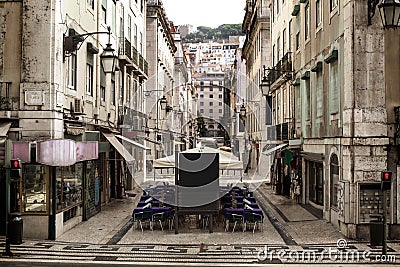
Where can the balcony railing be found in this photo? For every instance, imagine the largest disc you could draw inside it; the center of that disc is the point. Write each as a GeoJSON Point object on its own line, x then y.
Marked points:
{"type": "Point", "coordinates": [146, 68]}
{"type": "Point", "coordinates": [283, 67]}
{"type": "Point", "coordinates": [281, 132]}
{"type": "Point", "coordinates": [125, 47]}
{"type": "Point", "coordinates": [141, 62]}
{"type": "Point", "coordinates": [135, 55]}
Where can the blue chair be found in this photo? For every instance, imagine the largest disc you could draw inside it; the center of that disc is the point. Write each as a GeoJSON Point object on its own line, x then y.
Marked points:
{"type": "Point", "coordinates": [232, 218]}
{"type": "Point", "coordinates": [160, 217]}
{"type": "Point", "coordinates": [142, 216]}
{"type": "Point", "coordinates": [252, 218]}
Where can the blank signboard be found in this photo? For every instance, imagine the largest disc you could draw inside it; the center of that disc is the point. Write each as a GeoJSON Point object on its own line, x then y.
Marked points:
{"type": "Point", "coordinates": [198, 182]}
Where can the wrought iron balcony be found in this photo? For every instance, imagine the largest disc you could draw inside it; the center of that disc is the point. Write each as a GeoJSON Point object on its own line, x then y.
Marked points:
{"type": "Point", "coordinates": [135, 55]}
{"type": "Point", "coordinates": [125, 48]}
{"type": "Point", "coordinates": [282, 68]}
{"type": "Point", "coordinates": [281, 132]}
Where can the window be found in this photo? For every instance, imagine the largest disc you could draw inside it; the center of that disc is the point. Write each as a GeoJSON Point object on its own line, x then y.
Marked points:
{"type": "Point", "coordinates": [104, 11]}
{"type": "Point", "coordinates": [278, 46]}
{"type": "Point", "coordinates": [141, 44]}
{"type": "Point", "coordinates": [69, 186]}
{"type": "Point", "coordinates": [220, 104]}
{"type": "Point", "coordinates": [34, 188]}
{"type": "Point", "coordinates": [277, 7]}
{"type": "Point", "coordinates": [220, 83]}
{"type": "Point", "coordinates": [201, 104]}
{"type": "Point", "coordinates": [90, 3]}
{"type": "Point", "coordinates": [306, 21]}
{"type": "Point", "coordinates": [318, 13]}
{"type": "Point", "coordinates": [102, 93]}
{"type": "Point", "coordinates": [273, 55]}
{"type": "Point", "coordinates": [334, 173]}
{"type": "Point", "coordinates": [220, 89]}
{"type": "Point", "coordinates": [290, 36]}
{"type": "Point", "coordinates": [112, 93]}
{"type": "Point", "coordinates": [201, 110]}
{"type": "Point", "coordinates": [89, 79]}
{"type": "Point", "coordinates": [333, 4]}
{"type": "Point", "coordinates": [219, 96]}
{"type": "Point", "coordinates": [334, 90]}
{"type": "Point", "coordinates": [320, 94]}
{"type": "Point", "coordinates": [211, 89]}
{"type": "Point", "coordinates": [128, 90]}
{"type": "Point", "coordinates": [307, 99]}
{"type": "Point", "coordinates": [284, 42]}
{"type": "Point", "coordinates": [211, 104]}
{"type": "Point", "coordinates": [113, 16]}
{"type": "Point", "coordinates": [122, 22]}
{"type": "Point", "coordinates": [121, 89]}
{"type": "Point", "coordinates": [135, 36]}
{"type": "Point", "coordinates": [220, 111]}
{"type": "Point", "coordinates": [211, 96]}
{"type": "Point", "coordinates": [201, 96]}
{"type": "Point", "coordinates": [298, 27]}
{"type": "Point", "coordinates": [72, 65]}
{"type": "Point", "coordinates": [201, 83]}
{"type": "Point", "coordinates": [135, 99]}
{"type": "Point", "coordinates": [211, 111]}
{"type": "Point", "coordinates": [129, 28]}
{"type": "Point", "coordinates": [201, 89]}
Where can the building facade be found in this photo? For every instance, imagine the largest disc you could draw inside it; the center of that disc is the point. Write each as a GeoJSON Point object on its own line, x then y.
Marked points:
{"type": "Point", "coordinates": [160, 50]}
{"type": "Point", "coordinates": [345, 106]}
{"type": "Point", "coordinates": [58, 98]}
{"type": "Point", "coordinates": [256, 51]}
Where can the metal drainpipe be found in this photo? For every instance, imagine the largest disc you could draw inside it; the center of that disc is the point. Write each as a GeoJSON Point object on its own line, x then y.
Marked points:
{"type": "Point", "coordinates": [97, 102]}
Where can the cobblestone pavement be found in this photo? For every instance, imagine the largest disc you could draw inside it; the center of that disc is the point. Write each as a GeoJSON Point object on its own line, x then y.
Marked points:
{"type": "Point", "coordinates": [290, 234]}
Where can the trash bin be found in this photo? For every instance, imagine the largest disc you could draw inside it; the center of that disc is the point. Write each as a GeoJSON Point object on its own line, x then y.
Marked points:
{"type": "Point", "coordinates": [15, 228]}
{"type": "Point", "coordinates": [376, 229]}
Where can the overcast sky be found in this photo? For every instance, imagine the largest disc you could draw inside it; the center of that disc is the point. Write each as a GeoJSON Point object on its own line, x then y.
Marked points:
{"type": "Point", "coordinates": [210, 13]}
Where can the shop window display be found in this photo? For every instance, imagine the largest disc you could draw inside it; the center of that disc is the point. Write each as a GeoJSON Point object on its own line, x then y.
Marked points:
{"type": "Point", "coordinates": [34, 188]}
{"type": "Point", "coordinates": [69, 186]}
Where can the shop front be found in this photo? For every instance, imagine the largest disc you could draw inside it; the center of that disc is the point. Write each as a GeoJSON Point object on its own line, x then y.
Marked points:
{"type": "Point", "coordinates": [54, 198]}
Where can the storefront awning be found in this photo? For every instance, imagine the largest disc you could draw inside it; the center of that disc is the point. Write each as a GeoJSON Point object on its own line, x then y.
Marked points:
{"type": "Point", "coordinates": [119, 147]}
{"type": "Point", "coordinates": [310, 156]}
{"type": "Point", "coordinates": [269, 151]}
{"type": "Point", "coordinates": [123, 138]}
{"type": "Point", "coordinates": [4, 128]}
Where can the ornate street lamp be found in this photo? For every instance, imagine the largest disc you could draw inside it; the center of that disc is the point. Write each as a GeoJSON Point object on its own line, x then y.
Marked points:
{"type": "Point", "coordinates": [265, 84]}
{"type": "Point", "coordinates": [243, 110]}
{"type": "Point", "coordinates": [390, 13]}
{"type": "Point", "coordinates": [163, 103]}
{"type": "Point", "coordinates": [108, 59]}
{"type": "Point", "coordinates": [74, 41]}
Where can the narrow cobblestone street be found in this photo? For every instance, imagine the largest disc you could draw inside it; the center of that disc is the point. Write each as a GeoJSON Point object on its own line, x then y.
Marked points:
{"type": "Point", "coordinates": [111, 236]}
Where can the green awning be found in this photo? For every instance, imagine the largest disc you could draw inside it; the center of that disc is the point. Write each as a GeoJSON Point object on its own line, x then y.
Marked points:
{"type": "Point", "coordinates": [333, 56]}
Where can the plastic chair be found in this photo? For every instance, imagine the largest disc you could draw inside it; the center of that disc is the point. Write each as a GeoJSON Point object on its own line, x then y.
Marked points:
{"type": "Point", "coordinates": [252, 218]}
{"type": "Point", "coordinates": [233, 218]}
{"type": "Point", "coordinates": [143, 216]}
{"type": "Point", "coordinates": [160, 217]}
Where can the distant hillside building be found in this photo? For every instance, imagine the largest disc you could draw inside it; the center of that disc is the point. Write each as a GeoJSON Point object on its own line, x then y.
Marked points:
{"type": "Point", "coordinates": [185, 29]}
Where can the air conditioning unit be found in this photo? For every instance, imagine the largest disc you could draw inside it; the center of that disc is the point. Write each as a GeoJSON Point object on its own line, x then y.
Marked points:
{"type": "Point", "coordinates": [78, 107]}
